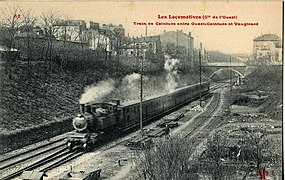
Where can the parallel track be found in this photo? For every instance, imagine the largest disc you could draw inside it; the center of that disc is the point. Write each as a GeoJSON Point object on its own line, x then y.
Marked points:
{"type": "Point", "coordinates": [204, 128]}
{"type": "Point", "coordinates": [205, 116]}
{"type": "Point", "coordinates": [8, 163]}
{"type": "Point", "coordinates": [65, 153]}
{"type": "Point", "coordinates": [31, 156]}
{"type": "Point", "coordinates": [31, 150]}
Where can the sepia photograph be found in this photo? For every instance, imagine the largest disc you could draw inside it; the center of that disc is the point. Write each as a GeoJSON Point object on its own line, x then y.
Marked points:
{"type": "Point", "coordinates": [141, 90]}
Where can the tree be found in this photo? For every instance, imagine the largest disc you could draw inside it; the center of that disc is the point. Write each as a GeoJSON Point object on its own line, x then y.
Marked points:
{"type": "Point", "coordinates": [65, 36]}
{"type": "Point", "coordinates": [169, 159]}
{"type": "Point", "coordinates": [49, 19]}
{"type": "Point", "coordinates": [10, 23]}
{"type": "Point", "coordinates": [27, 30]}
{"type": "Point", "coordinates": [216, 152]}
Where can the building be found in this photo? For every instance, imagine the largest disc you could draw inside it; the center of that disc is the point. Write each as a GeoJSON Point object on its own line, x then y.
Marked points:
{"type": "Point", "coordinates": [70, 30]}
{"type": "Point", "coordinates": [178, 38]}
{"type": "Point", "coordinates": [268, 49]}
{"type": "Point", "coordinates": [137, 46]}
{"type": "Point", "coordinates": [106, 37]}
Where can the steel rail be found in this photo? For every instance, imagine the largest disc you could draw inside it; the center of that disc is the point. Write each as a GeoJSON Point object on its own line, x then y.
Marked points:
{"type": "Point", "coordinates": [205, 118]}
{"type": "Point", "coordinates": [39, 163]}
{"type": "Point", "coordinates": [31, 150]}
{"type": "Point", "coordinates": [30, 156]}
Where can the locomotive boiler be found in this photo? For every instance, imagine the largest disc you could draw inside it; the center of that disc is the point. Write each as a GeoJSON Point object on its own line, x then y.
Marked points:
{"type": "Point", "coordinates": [97, 118]}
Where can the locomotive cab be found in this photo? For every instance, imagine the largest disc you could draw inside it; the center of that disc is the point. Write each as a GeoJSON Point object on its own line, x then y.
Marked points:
{"type": "Point", "coordinates": [106, 114]}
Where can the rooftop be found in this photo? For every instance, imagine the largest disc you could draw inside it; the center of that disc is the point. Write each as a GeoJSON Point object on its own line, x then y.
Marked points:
{"type": "Point", "coordinates": [70, 23]}
{"type": "Point", "coordinates": [147, 39]}
{"type": "Point", "coordinates": [267, 37]}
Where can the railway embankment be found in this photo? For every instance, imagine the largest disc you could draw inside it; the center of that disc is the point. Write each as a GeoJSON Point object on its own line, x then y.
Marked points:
{"type": "Point", "coordinates": [261, 92]}
{"type": "Point", "coordinates": [23, 137]}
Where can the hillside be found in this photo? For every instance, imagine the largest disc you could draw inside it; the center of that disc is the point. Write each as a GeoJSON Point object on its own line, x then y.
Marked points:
{"type": "Point", "coordinates": [267, 80]}
{"type": "Point", "coordinates": [216, 56]}
{"type": "Point", "coordinates": [26, 102]}
{"type": "Point", "coordinates": [45, 96]}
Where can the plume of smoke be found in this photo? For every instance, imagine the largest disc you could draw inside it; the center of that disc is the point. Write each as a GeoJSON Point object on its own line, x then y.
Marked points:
{"type": "Point", "coordinates": [130, 85]}
{"type": "Point", "coordinates": [97, 92]}
{"type": "Point", "coordinates": [131, 78]}
{"type": "Point", "coordinates": [170, 66]}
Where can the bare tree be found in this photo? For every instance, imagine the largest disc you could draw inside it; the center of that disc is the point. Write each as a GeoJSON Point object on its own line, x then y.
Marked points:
{"type": "Point", "coordinates": [256, 143]}
{"type": "Point", "coordinates": [168, 159]}
{"type": "Point", "coordinates": [10, 23]}
{"type": "Point", "coordinates": [49, 19]}
{"type": "Point", "coordinates": [63, 34]}
{"type": "Point", "coordinates": [261, 149]}
{"type": "Point", "coordinates": [216, 152]}
{"type": "Point", "coordinates": [28, 25]}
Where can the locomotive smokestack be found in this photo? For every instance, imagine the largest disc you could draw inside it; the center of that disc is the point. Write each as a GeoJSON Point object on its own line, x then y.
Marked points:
{"type": "Point", "coordinates": [88, 108]}
{"type": "Point", "coordinates": [82, 108]}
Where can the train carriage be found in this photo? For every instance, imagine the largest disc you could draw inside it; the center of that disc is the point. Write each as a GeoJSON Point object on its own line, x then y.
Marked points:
{"type": "Point", "coordinates": [106, 116]}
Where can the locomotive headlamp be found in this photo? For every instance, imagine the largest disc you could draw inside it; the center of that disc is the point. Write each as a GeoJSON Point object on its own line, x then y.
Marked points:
{"type": "Point", "coordinates": [79, 123]}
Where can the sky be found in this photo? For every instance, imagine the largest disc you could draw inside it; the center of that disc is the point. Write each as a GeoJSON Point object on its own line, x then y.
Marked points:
{"type": "Point", "coordinates": [229, 39]}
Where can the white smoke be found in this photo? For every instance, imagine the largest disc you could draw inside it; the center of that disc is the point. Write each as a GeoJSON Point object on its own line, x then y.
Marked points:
{"type": "Point", "coordinates": [170, 66]}
{"type": "Point", "coordinates": [130, 85]}
{"type": "Point", "coordinates": [130, 79]}
{"type": "Point", "coordinates": [97, 92]}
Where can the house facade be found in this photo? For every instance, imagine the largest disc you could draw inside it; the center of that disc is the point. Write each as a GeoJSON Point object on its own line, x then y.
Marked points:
{"type": "Point", "coordinates": [268, 48]}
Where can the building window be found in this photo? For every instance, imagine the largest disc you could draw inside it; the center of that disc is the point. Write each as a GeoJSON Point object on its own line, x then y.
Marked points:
{"type": "Point", "coordinates": [150, 46]}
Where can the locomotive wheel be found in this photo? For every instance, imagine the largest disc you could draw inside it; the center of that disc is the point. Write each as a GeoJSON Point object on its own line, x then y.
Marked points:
{"type": "Point", "coordinates": [85, 147]}
{"type": "Point", "coordinates": [70, 145]}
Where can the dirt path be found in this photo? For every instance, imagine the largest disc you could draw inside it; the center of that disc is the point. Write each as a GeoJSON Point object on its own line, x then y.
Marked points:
{"type": "Point", "coordinates": [123, 172]}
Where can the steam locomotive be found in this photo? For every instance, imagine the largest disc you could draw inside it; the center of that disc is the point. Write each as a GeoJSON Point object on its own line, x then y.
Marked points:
{"type": "Point", "coordinates": [98, 118]}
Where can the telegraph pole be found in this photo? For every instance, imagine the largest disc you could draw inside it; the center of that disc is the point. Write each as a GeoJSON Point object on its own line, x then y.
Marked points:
{"type": "Point", "coordinates": [230, 81]}
{"type": "Point", "coordinates": [230, 73]}
{"type": "Point", "coordinates": [141, 88]}
{"type": "Point", "coordinates": [200, 73]}
{"type": "Point", "coordinates": [176, 43]}
{"type": "Point", "coordinates": [146, 31]}
{"type": "Point", "coordinates": [141, 97]}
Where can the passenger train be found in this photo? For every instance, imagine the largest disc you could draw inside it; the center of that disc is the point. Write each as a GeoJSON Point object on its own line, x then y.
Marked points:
{"type": "Point", "coordinates": [97, 118]}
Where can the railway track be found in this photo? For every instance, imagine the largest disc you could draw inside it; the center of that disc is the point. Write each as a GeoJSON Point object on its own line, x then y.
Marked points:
{"type": "Point", "coordinates": [57, 158]}
{"type": "Point", "coordinates": [204, 116]}
{"type": "Point", "coordinates": [30, 150]}
{"type": "Point", "coordinates": [207, 123]}
{"type": "Point", "coordinates": [15, 164]}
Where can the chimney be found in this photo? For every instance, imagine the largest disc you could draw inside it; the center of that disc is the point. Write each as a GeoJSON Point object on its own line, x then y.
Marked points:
{"type": "Point", "coordinates": [82, 108]}
{"type": "Point", "coordinates": [93, 109]}
{"type": "Point", "coordinates": [88, 108]}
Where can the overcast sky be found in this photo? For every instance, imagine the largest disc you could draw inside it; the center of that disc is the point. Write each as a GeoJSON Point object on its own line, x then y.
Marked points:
{"type": "Point", "coordinates": [228, 39]}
